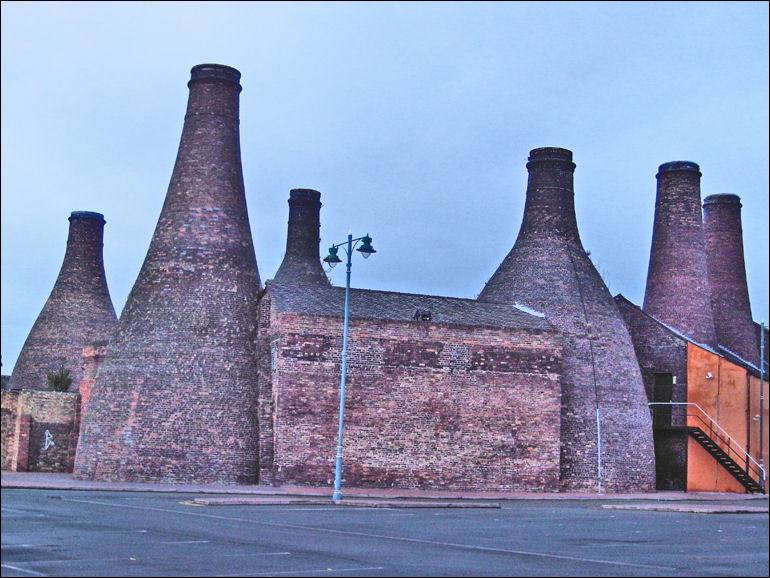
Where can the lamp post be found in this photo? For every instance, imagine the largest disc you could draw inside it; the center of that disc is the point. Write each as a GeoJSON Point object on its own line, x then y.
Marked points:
{"type": "Point", "coordinates": [332, 259]}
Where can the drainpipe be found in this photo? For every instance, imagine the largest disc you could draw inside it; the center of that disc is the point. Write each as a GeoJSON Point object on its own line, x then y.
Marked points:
{"type": "Point", "coordinates": [599, 447]}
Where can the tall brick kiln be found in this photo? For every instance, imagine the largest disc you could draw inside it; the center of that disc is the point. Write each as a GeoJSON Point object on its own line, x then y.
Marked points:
{"type": "Point", "coordinates": [175, 399]}
{"type": "Point", "coordinates": [441, 392]}
{"type": "Point", "coordinates": [726, 266]}
{"type": "Point", "coordinates": [677, 291]}
{"type": "Point", "coordinates": [549, 270]}
{"type": "Point", "coordinates": [77, 314]}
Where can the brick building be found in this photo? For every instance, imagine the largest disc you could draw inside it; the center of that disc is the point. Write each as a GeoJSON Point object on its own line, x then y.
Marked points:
{"type": "Point", "coordinates": [705, 407]}
{"type": "Point", "coordinates": [468, 399]}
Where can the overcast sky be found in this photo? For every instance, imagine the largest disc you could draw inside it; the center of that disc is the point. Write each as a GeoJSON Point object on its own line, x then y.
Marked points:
{"type": "Point", "coordinates": [414, 120]}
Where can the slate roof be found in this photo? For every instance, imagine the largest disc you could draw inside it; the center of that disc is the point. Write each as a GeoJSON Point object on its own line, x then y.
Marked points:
{"type": "Point", "coordinates": [393, 306]}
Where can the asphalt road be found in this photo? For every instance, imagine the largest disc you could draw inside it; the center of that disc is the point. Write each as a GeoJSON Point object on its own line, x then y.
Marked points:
{"type": "Point", "coordinates": [72, 533]}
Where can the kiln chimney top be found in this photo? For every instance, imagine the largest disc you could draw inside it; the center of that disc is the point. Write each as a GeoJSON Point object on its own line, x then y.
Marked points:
{"type": "Point", "coordinates": [550, 154]}
{"type": "Point", "coordinates": [86, 215]}
{"type": "Point", "coordinates": [678, 166]}
{"type": "Point", "coordinates": [722, 199]}
{"type": "Point", "coordinates": [214, 72]}
{"type": "Point", "coordinates": [305, 195]}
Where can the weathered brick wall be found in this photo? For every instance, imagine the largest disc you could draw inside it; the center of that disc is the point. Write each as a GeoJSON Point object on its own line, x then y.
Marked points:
{"type": "Point", "coordinates": [39, 430]}
{"type": "Point", "coordinates": [10, 411]}
{"type": "Point", "coordinates": [428, 405]}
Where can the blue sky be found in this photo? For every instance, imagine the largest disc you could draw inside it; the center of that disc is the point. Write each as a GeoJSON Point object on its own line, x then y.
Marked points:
{"type": "Point", "coordinates": [414, 120]}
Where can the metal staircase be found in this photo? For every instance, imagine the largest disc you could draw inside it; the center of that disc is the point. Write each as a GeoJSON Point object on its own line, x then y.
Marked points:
{"type": "Point", "coordinates": [717, 442]}
{"type": "Point", "coordinates": [725, 460]}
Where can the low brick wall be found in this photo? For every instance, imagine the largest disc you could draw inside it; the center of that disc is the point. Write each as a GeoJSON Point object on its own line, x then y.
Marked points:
{"type": "Point", "coordinates": [39, 430]}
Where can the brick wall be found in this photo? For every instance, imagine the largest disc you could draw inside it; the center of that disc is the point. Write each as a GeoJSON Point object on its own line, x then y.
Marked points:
{"type": "Point", "coordinates": [10, 410]}
{"type": "Point", "coordinates": [39, 430]}
{"type": "Point", "coordinates": [428, 405]}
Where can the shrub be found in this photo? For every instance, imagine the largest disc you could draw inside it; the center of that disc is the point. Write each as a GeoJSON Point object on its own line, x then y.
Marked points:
{"type": "Point", "coordinates": [61, 380]}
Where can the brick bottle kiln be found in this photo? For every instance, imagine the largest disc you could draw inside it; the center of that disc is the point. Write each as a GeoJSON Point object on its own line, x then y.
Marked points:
{"type": "Point", "coordinates": [549, 270]}
{"type": "Point", "coordinates": [726, 266]}
{"type": "Point", "coordinates": [175, 399]}
{"type": "Point", "coordinates": [677, 291]}
{"type": "Point", "coordinates": [301, 263]}
{"type": "Point", "coordinates": [77, 314]}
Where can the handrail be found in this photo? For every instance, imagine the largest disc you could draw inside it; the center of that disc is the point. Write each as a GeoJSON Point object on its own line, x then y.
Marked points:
{"type": "Point", "coordinates": [746, 454]}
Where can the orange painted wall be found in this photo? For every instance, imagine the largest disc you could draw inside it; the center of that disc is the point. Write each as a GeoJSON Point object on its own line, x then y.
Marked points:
{"type": "Point", "coordinates": [729, 395]}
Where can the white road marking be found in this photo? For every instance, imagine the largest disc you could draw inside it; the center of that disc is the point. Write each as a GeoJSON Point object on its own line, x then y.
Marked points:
{"type": "Point", "coordinates": [188, 542]}
{"type": "Point", "coordinates": [252, 554]}
{"type": "Point", "coordinates": [32, 572]}
{"type": "Point", "coordinates": [303, 572]}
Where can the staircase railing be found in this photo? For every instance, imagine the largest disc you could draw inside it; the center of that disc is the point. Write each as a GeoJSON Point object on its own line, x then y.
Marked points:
{"type": "Point", "coordinates": [697, 417]}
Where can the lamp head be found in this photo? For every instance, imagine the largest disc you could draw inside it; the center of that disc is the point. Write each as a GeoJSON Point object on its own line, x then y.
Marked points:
{"type": "Point", "coordinates": [366, 248]}
{"type": "Point", "coordinates": [332, 259]}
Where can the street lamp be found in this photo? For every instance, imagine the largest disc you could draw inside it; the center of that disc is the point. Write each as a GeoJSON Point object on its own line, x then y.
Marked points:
{"type": "Point", "coordinates": [332, 259]}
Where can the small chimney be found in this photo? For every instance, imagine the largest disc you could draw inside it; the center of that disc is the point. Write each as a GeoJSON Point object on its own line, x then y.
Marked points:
{"type": "Point", "coordinates": [549, 270]}
{"type": "Point", "coordinates": [677, 290]}
{"type": "Point", "coordinates": [175, 400]}
{"type": "Point", "coordinates": [77, 314]}
{"type": "Point", "coordinates": [730, 303]}
{"type": "Point", "coordinates": [302, 262]}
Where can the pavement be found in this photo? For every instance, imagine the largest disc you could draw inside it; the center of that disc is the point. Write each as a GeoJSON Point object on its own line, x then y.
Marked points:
{"type": "Point", "coordinates": [222, 494]}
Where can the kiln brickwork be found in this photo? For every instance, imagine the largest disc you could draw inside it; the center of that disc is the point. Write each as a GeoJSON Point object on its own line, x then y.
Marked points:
{"type": "Point", "coordinates": [677, 291]}
{"type": "Point", "coordinates": [175, 399]}
{"type": "Point", "coordinates": [468, 400]}
{"type": "Point", "coordinates": [549, 270]}
{"type": "Point", "coordinates": [726, 267]}
{"type": "Point", "coordinates": [78, 312]}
